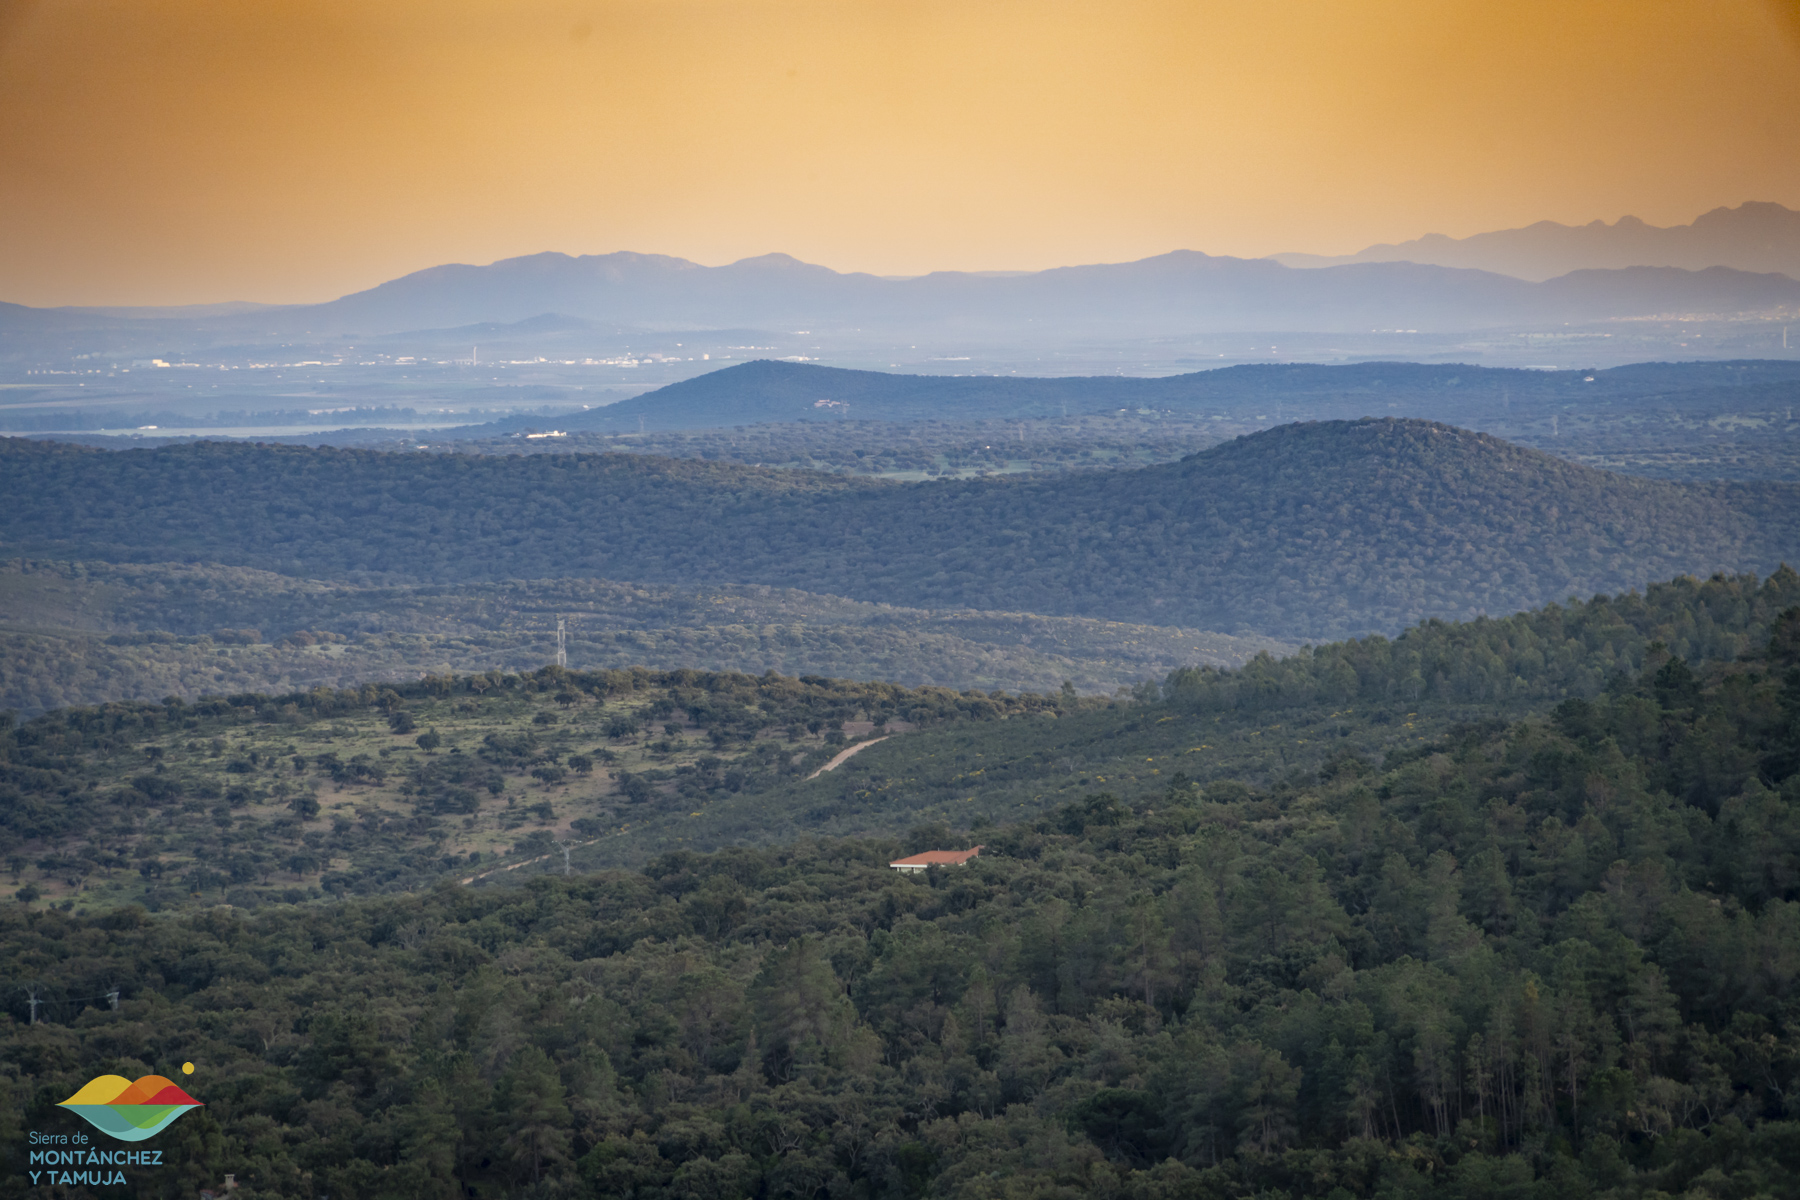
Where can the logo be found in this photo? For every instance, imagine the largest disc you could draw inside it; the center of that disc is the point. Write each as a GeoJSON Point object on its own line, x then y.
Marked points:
{"type": "Point", "coordinates": [130, 1111]}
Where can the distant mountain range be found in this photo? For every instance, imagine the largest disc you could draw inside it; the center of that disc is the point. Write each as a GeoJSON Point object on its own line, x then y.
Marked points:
{"type": "Point", "coordinates": [1171, 293]}
{"type": "Point", "coordinates": [1729, 262]}
{"type": "Point", "coordinates": [1302, 531]}
{"type": "Point", "coordinates": [1180, 293]}
{"type": "Point", "coordinates": [1758, 237]}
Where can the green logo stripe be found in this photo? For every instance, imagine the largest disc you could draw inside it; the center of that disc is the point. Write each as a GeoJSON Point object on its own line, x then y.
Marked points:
{"type": "Point", "coordinates": [130, 1122]}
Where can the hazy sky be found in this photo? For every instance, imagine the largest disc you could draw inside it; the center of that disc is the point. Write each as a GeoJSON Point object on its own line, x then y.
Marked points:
{"type": "Point", "coordinates": [179, 151]}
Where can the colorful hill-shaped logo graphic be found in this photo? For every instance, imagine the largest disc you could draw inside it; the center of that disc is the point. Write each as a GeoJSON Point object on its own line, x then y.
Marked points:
{"type": "Point", "coordinates": [130, 1111]}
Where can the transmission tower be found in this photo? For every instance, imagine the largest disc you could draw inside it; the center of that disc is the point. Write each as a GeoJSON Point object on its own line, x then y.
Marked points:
{"type": "Point", "coordinates": [562, 644]}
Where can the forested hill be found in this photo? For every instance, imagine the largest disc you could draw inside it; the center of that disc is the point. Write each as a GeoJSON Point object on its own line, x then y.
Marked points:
{"type": "Point", "coordinates": [1304, 531]}
{"type": "Point", "coordinates": [783, 391]}
{"type": "Point", "coordinates": [1546, 959]}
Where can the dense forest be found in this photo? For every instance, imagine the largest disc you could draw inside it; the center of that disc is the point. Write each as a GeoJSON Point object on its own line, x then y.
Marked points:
{"type": "Point", "coordinates": [1551, 955]}
{"type": "Point", "coordinates": [1303, 531]}
{"type": "Point", "coordinates": [88, 633]}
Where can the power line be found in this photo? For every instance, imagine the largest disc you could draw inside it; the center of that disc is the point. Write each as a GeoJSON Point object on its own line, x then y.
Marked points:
{"type": "Point", "coordinates": [38, 996]}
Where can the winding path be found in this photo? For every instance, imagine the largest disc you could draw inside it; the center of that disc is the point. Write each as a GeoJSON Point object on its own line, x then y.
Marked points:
{"type": "Point", "coordinates": [837, 761]}
{"type": "Point", "coordinates": [846, 753]}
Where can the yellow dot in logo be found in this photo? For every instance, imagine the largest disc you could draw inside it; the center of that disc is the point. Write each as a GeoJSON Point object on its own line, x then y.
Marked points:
{"type": "Point", "coordinates": [187, 1068]}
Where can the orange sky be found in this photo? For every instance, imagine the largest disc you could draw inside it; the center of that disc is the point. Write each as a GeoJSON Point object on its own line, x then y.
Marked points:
{"type": "Point", "coordinates": [181, 151]}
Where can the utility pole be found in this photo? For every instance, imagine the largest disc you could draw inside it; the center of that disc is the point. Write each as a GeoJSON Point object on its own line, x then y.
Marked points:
{"type": "Point", "coordinates": [566, 848]}
{"type": "Point", "coordinates": [112, 998]}
{"type": "Point", "coordinates": [562, 644]}
{"type": "Point", "coordinates": [32, 993]}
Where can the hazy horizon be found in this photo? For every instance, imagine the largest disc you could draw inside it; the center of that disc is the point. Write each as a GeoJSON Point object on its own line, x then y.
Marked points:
{"type": "Point", "coordinates": [182, 154]}
{"type": "Point", "coordinates": [248, 300]}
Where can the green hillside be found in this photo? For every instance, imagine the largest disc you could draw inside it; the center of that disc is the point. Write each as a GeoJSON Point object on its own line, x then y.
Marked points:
{"type": "Point", "coordinates": [1552, 956]}
{"type": "Point", "coordinates": [253, 799]}
{"type": "Point", "coordinates": [1299, 532]}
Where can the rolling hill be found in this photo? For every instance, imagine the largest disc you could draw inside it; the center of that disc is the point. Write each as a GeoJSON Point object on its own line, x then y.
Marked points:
{"type": "Point", "coordinates": [1303, 531]}
{"type": "Point", "coordinates": [770, 391]}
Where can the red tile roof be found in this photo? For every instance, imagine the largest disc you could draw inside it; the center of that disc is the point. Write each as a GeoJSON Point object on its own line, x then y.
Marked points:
{"type": "Point", "coordinates": [937, 858]}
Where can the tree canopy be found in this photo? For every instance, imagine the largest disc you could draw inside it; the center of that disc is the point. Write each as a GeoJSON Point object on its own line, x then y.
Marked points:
{"type": "Point", "coordinates": [1553, 955]}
